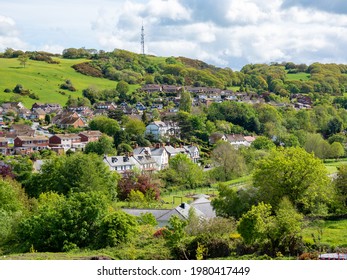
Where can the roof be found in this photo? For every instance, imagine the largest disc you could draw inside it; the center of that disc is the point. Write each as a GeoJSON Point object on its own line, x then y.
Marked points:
{"type": "Point", "coordinates": [91, 133]}
{"type": "Point", "coordinates": [235, 137]}
{"type": "Point", "coordinates": [172, 150]}
{"type": "Point", "coordinates": [67, 136]}
{"type": "Point", "coordinates": [204, 205]}
{"type": "Point", "coordinates": [28, 138]}
{"type": "Point", "coordinates": [249, 138]}
{"type": "Point", "coordinates": [114, 161]}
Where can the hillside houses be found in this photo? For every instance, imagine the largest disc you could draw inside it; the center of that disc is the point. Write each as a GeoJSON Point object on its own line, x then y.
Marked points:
{"type": "Point", "coordinates": [150, 159]}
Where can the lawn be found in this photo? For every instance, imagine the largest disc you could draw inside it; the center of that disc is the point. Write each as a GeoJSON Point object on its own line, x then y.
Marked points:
{"type": "Point", "coordinates": [45, 79]}
{"type": "Point", "coordinates": [298, 77]}
{"type": "Point", "coordinates": [332, 233]}
{"type": "Point", "coordinates": [332, 165]}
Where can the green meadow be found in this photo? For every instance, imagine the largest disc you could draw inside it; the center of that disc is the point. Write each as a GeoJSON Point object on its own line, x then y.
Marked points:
{"type": "Point", "coordinates": [298, 77]}
{"type": "Point", "coordinates": [45, 79]}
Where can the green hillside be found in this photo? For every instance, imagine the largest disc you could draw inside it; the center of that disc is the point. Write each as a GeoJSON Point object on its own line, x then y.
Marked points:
{"type": "Point", "coordinates": [44, 80]}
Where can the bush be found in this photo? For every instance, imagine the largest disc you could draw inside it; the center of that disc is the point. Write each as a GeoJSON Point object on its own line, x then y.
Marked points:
{"type": "Point", "coordinates": [7, 90]}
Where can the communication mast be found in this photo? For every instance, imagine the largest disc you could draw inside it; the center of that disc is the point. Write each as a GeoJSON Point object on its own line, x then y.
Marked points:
{"type": "Point", "coordinates": [142, 40]}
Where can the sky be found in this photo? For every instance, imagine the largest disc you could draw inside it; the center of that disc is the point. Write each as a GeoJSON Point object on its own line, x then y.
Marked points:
{"type": "Point", "coordinates": [225, 33]}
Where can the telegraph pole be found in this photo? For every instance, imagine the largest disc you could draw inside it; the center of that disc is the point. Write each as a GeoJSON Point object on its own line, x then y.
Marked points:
{"type": "Point", "coordinates": [142, 40]}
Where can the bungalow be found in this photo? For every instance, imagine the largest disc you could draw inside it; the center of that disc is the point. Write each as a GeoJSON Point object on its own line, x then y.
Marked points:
{"type": "Point", "coordinates": [121, 164]}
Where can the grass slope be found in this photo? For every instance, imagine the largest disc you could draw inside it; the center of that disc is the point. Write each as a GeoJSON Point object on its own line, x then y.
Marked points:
{"type": "Point", "coordinates": [45, 79]}
{"type": "Point", "coordinates": [298, 77]}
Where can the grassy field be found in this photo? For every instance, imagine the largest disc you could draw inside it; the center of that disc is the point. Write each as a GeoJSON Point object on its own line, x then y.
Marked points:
{"type": "Point", "coordinates": [298, 77]}
{"type": "Point", "coordinates": [45, 79]}
{"type": "Point", "coordinates": [332, 165]}
{"type": "Point", "coordinates": [331, 233]}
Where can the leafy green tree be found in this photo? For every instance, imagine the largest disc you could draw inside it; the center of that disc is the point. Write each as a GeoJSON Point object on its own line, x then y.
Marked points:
{"type": "Point", "coordinates": [116, 228]}
{"type": "Point", "coordinates": [23, 59]}
{"type": "Point", "coordinates": [229, 161]}
{"type": "Point", "coordinates": [233, 203]}
{"type": "Point", "coordinates": [14, 205]}
{"type": "Point", "coordinates": [341, 183]}
{"type": "Point", "coordinates": [337, 150]}
{"type": "Point", "coordinates": [183, 172]}
{"type": "Point", "coordinates": [272, 233]}
{"type": "Point", "coordinates": [105, 125]}
{"type": "Point", "coordinates": [75, 173]}
{"type": "Point", "coordinates": [263, 143]}
{"type": "Point", "coordinates": [104, 146]}
{"type": "Point", "coordinates": [122, 88]}
{"type": "Point", "coordinates": [185, 102]}
{"type": "Point", "coordinates": [296, 174]}
{"type": "Point", "coordinates": [61, 224]}
{"type": "Point", "coordinates": [135, 127]}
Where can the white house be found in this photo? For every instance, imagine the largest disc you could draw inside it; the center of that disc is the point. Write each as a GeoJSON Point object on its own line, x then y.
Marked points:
{"type": "Point", "coordinates": [160, 129]}
{"type": "Point", "coordinates": [120, 164]}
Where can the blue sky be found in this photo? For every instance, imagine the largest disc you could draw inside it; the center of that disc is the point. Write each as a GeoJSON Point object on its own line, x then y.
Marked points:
{"type": "Point", "coordinates": [226, 33]}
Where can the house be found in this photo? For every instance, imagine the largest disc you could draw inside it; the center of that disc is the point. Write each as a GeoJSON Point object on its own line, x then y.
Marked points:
{"type": "Point", "coordinates": [24, 113]}
{"type": "Point", "coordinates": [171, 89]}
{"type": "Point", "coordinates": [4, 148]}
{"type": "Point", "coordinates": [121, 164]}
{"type": "Point", "coordinates": [149, 88]}
{"type": "Point", "coordinates": [107, 105]}
{"type": "Point", "coordinates": [48, 108]}
{"type": "Point", "coordinates": [160, 155]}
{"type": "Point", "coordinates": [68, 119]}
{"type": "Point", "coordinates": [173, 151]}
{"type": "Point", "coordinates": [145, 162]}
{"type": "Point", "coordinates": [201, 206]}
{"type": "Point", "coordinates": [193, 152]}
{"type": "Point", "coordinates": [140, 107]}
{"type": "Point", "coordinates": [38, 114]}
{"type": "Point", "coordinates": [90, 135]}
{"type": "Point", "coordinates": [240, 140]}
{"type": "Point", "coordinates": [159, 129]}
{"type": "Point", "coordinates": [30, 144]}
{"type": "Point", "coordinates": [71, 141]}
{"type": "Point", "coordinates": [21, 130]}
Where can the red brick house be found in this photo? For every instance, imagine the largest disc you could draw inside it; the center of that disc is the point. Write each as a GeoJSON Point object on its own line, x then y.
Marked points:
{"type": "Point", "coordinates": [29, 144]}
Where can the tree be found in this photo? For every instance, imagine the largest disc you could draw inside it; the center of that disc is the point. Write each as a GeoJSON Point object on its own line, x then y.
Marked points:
{"type": "Point", "coordinates": [296, 174]}
{"type": "Point", "coordinates": [185, 102]}
{"type": "Point", "coordinates": [105, 125]}
{"type": "Point", "coordinates": [341, 183]}
{"type": "Point", "coordinates": [104, 146]}
{"type": "Point", "coordinates": [75, 173]}
{"type": "Point", "coordinates": [233, 203]}
{"type": "Point", "coordinates": [60, 223]}
{"type": "Point", "coordinates": [135, 127]}
{"type": "Point", "coordinates": [23, 59]}
{"type": "Point", "coordinates": [263, 143]}
{"type": "Point", "coordinates": [270, 233]}
{"type": "Point", "coordinates": [183, 172]}
{"type": "Point", "coordinates": [229, 162]}
{"type": "Point", "coordinates": [122, 88]}
{"type": "Point", "coordinates": [132, 181]}
{"type": "Point", "coordinates": [116, 228]}
{"type": "Point", "coordinates": [337, 150]}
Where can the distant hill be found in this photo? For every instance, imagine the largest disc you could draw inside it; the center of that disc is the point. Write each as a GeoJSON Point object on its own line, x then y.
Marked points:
{"type": "Point", "coordinates": [44, 74]}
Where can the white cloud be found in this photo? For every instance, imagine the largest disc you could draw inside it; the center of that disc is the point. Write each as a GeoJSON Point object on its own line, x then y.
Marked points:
{"type": "Point", "coordinates": [225, 32]}
{"type": "Point", "coordinates": [9, 35]}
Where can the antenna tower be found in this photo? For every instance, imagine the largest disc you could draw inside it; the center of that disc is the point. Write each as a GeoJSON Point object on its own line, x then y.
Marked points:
{"type": "Point", "coordinates": [142, 40]}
